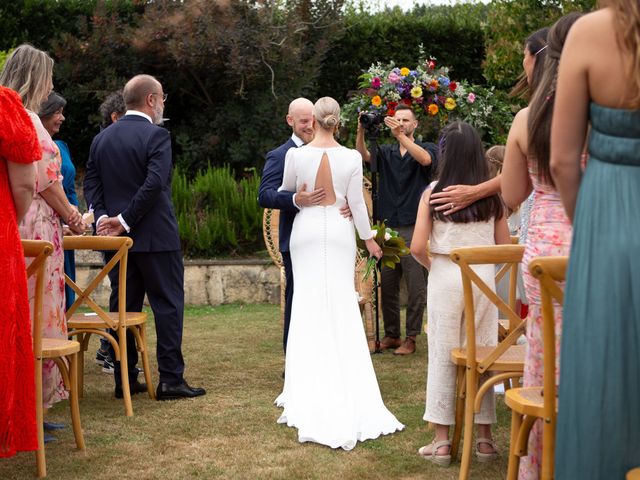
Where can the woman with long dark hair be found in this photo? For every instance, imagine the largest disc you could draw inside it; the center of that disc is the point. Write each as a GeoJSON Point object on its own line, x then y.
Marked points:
{"type": "Point", "coordinates": [526, 169]}
{"type": "Point", "coordinates": [598, 433]}
{"type": "Point", "coordinates": [457, 197]}
{"type": "Point", "coordinates": [462, 161]}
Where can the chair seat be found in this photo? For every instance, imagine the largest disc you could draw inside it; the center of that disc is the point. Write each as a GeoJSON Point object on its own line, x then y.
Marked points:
{"type": "Point", "coordinates": [82, 321]}
{"type": "Point", "coordinates": [58, 347]}
{"type": "Point", "coordinates": [512, 360]}
{"type": "Point", "coordinates": [633, 474]}
{"type": "Point", "coordinates": [526, 401]}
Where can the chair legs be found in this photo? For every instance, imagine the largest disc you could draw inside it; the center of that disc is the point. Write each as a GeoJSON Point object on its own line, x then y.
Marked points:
{"type": "Point", "coordinates": [41, 462]}
{"type": "Point", "coordinates": [74, 404]}
{"type": "Point", "coordinates": [467, 439]}
{"type": "Point", "coordinates": [124, 372]}
{"type": "Point", "coordinates": [514, 458]}
{"type": "Point", "coordinates": [141, 341]}
{"type": "Point", "coordinates": [459, 419]}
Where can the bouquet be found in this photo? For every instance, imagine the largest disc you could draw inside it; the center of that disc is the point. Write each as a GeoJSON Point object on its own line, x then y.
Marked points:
{"type": "Point", "coordinates": [432, 94]}
{"type": "Point", "coordinates": [392, 245]}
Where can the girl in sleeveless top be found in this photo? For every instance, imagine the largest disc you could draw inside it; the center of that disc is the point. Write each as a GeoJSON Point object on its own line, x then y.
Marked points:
{"type": "Point", "coordinates": [482, 223]}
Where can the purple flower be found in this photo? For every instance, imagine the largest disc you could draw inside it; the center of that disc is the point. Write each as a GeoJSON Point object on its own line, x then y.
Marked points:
{"type": "Point", "coordinates": [444, 81]}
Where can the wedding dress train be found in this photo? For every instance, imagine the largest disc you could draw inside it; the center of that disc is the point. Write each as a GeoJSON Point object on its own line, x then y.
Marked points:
{"type": "Point", "coordinates": [331, 393]}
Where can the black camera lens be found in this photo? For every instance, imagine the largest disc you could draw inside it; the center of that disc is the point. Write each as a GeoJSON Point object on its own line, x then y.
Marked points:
{"type": "Point", "coordinates": [370, 120]}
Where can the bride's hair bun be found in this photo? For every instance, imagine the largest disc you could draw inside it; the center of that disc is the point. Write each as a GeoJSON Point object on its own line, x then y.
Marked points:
{"type": "Point", "coordinates": [327, 113]}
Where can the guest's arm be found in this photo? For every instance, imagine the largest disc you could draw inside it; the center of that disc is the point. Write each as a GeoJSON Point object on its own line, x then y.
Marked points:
{"type": "Point", "coordinates": [55, 197]}
{"type": "Point", "coordinates": [422, 231]}
{"type": "Point", "coordinates": [515, 180]}
{"type": "Point", "coordinates": [361, 146]}
{"type": "Point", "coordinates": [456, 197]}
{"type": "Point", "coordinates": [570, 118]}
{"type": "Point", "coordinates": [22, 177]}
{"type": "Point", "coordinates": [419, 154]}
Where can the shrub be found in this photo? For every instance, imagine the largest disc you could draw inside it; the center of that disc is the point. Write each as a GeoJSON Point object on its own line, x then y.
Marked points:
{"type": "Point", "coordinates": [217, 214]}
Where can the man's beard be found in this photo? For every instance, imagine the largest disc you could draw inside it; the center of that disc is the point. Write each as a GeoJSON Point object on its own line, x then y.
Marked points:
{"type": "Point", "coordinates": [157, 115]}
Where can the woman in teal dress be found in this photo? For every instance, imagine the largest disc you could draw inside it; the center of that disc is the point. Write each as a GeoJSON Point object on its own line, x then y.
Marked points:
{"type": "Point", "coordinates": [51, 115]}
{"type": "Point", "coordinates": [598, 431]}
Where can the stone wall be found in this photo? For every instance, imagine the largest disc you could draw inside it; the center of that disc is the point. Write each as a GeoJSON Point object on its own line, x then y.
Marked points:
{"type": "Point", "coordinates": [206, 282]}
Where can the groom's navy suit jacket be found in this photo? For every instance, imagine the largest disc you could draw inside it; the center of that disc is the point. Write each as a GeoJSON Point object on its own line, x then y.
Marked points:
{"type": "Point", "coordinates": [269, 197]}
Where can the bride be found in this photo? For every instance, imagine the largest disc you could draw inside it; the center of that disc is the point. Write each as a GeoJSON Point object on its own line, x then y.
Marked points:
{"type": "Point", "coordinates": [331, 393]}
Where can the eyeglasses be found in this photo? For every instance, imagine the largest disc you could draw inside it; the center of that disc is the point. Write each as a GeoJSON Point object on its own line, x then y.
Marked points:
{"type": "Point", "coordinates": [164, 96]}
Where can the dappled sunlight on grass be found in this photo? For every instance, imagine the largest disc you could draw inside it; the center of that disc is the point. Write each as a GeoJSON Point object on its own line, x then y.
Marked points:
{"type": "Point", "coordinates": [235, 352]}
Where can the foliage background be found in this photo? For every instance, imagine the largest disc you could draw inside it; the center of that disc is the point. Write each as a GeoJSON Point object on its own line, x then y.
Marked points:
{"type": "Point", "coordinates": [231, 67]}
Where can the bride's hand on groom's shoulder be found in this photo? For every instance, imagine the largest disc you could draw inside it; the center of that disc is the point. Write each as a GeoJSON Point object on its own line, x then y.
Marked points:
{"type": "Point", "coordinates": [309, 199]}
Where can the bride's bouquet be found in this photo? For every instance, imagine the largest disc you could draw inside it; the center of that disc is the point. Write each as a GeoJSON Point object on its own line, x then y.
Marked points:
{"type": "Point", "coordinates": [392, 245]}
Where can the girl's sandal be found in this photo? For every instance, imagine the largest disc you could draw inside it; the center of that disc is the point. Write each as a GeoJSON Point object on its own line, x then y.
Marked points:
{"type": "Point", "coordinates": [432, 456]}
{"type": "Point", "coordinates": [486, 457]}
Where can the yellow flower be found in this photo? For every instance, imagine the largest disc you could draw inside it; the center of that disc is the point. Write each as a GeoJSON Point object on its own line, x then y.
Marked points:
{"type": "Point", "coordinates": [450, 104]}
{"type": "Point", "coordinates": [433, 109]}
{"type": "Point", "coordinates": [404, 71]}
{"type": "Point", "coordinates": [416, 92]}
{"type": "Point", "coordinates": [376, 100]}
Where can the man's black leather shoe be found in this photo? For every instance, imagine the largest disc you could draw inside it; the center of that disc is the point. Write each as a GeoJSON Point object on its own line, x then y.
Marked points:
{"type": "Point", "coordinates": [135, 387]}
{"type": "Point", "coordinates": [174, 392]}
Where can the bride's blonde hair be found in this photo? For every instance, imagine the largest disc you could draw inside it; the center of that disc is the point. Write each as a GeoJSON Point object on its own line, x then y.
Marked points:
{"type": "Point", "coordinates": [627, 25]}
{"type": "Point", "coordinates": [326, 111]}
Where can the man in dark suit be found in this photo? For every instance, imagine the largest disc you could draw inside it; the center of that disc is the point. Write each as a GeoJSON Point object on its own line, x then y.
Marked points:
{"type": "Point", "coordinates": [300, 119]}
{"type": "Point", "coordinates": [128, 182]}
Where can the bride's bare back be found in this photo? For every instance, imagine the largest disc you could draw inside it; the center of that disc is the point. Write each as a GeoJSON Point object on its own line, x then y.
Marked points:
{"type": "Point", "coordinates": [324, 179]}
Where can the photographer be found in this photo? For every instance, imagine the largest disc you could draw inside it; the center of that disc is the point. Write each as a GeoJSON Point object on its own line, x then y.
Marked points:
{"type": "Point", "coordinates": [406, 169]}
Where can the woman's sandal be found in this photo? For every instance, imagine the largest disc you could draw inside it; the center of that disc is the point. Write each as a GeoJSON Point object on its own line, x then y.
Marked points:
{"type": "Point", "coordinates": [486, 457]}
{"type": "Point", "coordinates": [432, 456]}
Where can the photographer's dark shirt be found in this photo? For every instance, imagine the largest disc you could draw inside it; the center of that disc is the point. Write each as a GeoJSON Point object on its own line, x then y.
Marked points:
{"type": "Point", "coordinates": [402, 180]}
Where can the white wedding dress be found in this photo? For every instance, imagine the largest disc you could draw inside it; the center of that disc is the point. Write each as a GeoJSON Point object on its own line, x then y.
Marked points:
{"type": "Point", "coordinates": [331, 393]}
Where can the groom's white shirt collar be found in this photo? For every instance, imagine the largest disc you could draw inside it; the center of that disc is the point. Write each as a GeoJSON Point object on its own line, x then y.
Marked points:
{"type": "Point", "coordinates": [297, 140]}
{"type": "Point", "coordinates": [141, 114]}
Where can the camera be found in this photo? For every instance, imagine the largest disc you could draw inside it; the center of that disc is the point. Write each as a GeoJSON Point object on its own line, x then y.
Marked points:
{"type": "Point", "coordinates": [371, 121]}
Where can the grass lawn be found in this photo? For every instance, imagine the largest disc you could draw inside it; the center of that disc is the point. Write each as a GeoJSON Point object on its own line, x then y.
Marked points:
{"type": "Point", "coordinates": [235, 352]}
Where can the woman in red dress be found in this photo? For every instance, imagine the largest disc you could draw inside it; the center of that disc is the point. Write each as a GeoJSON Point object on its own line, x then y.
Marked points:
{"type": "Point", "coordinates": [19, 148]}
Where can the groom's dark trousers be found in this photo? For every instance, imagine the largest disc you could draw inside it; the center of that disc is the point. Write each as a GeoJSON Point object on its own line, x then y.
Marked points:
{"type": "Point", "coordinates": [129, 174]}
{"type": "Point", "coordinates": [269, 197]}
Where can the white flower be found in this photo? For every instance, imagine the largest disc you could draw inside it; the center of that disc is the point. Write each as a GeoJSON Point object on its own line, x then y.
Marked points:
{"type": "Point", "coordinates": [387, 236]}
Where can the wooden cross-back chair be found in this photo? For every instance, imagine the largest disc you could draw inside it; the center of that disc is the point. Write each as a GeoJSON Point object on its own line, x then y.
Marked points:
{"type": "Point", "coordinates": [270, 224]}
{"type": "Point", "coordinates": [505, 360]}
{"type": "Point", "coordinates": [62, 351]}
{"type": "Point", "coordinates": [84, 325]}
{"type": "Point", "coordinates": [530, 403]}
{"type": "Point", "coordinates": [505, 325]}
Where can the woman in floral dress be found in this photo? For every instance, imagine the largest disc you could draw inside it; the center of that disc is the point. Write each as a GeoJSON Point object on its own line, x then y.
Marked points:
{"type": "Point", "coordinates": [28, 71]}
{"type": "Point", "coordinates": [526, 169]}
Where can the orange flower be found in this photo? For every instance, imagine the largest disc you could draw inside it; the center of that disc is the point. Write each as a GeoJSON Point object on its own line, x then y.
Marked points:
{"type": "Point", "coordinates": [433, 109]}
{"type": "Point", "coordinates": [376, 101]}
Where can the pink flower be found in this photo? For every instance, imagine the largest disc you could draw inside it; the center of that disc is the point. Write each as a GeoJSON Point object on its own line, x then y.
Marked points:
{"type": "Point", "coordinates": [393, 77]}
{"type": "Point", "coordinates": [375, 82]}
{"type": "Point", "coordinates": [471, 98]}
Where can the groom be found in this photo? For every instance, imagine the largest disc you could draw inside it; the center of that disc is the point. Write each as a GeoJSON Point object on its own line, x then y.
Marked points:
{"type": "Point", "coordinates": [300, 119]}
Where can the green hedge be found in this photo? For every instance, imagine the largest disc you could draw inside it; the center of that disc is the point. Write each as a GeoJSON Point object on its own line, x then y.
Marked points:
{"type": "Point", "coordinates": [217, 214]}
